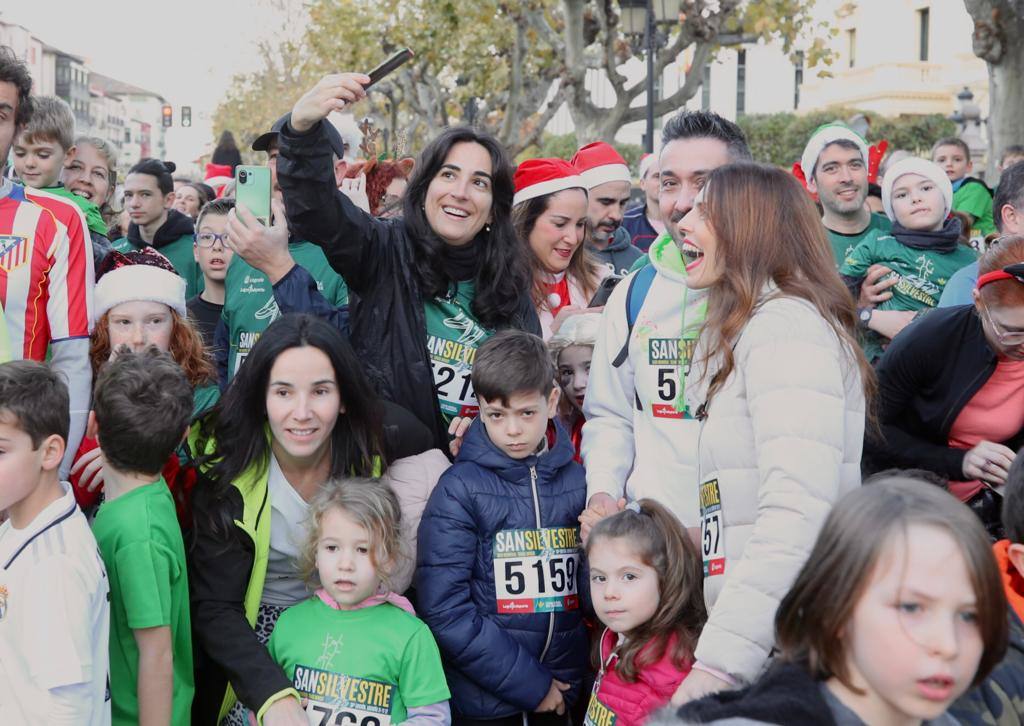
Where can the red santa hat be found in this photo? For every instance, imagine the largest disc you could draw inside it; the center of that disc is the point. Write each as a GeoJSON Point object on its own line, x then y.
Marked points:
{"type": "Point", "coordinates": [599, 163]}
{"type": "Point", "coordinates": [539, 177]}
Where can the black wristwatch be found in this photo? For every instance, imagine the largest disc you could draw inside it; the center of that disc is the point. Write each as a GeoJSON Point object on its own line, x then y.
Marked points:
{"type": "Point", "coordinates": [864, 316]}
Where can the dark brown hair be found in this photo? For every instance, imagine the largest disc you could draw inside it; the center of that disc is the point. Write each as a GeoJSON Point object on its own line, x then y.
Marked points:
{"type": "Point", "coordinates": [512, 362]}
{"type": "Point", "coordinates": [1003, 293]}
{"type": "Point", "coordinates": [810, 620]}
{"type": "Point", "coordinates": [582, 267]}
{"type": "Point", "coordinates": [768, 231]}
{"type": "Point", "coordinates": [36, 397]}
{"type": "Point", "coordinates": [660, 542]}
{"type": "Point", "coordinates": [143, 405]}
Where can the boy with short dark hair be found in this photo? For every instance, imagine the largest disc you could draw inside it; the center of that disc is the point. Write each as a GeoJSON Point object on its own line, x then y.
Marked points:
{"type": "Point", "coordinates": [54, 610]}
{"type": "Point", "coordinates": [999, 699]}
{"type": "Point", "coordinates": [970, 196]}
{"type": "Point", "coordinates": [498, 574]}
{"type": "Point", "coordinates": [142, 408]}
{"type": "Point", "coordinates": [42, 149]}
{"type": "Point", "coordinates": [213, 257]}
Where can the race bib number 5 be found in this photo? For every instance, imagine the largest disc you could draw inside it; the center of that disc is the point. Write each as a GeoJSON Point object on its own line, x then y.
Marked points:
{"type": "Point", "coordinates": [535, 570]}
{"type": "Point", "coordinates": [334, 699]}
{"type": "Point", "coordinates": [712, 535]}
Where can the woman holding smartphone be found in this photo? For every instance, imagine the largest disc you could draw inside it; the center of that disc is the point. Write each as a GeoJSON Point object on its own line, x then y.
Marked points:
{"type": "Point", "coordinates": [549, 214]}
{"type": "Point", "coordinates": [429, 288]}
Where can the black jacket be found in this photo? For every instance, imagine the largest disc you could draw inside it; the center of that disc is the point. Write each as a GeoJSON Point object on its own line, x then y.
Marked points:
{"type": "Point", "coordinates": [375, 257]}
{"type": "Point", "coordinates": [926, 377]}
{"type": "Point", "coordinates": [220, 565]}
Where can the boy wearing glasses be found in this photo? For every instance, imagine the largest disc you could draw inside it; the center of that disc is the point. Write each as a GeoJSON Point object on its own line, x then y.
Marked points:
{"type": "Point", "coordinates": [213, 256]}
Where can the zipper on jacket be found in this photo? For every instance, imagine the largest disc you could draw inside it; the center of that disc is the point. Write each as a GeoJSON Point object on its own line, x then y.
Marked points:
{"type": "Point", "coordinates": [536, 515]}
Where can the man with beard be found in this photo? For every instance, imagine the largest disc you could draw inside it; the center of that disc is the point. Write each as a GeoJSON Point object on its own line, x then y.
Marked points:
{"type": "Point", "coordinates": [640, 440]}
{"type": "Point", "coordinates": [608, 185]}
{"type": "Point", "coordinates": [835, 164]}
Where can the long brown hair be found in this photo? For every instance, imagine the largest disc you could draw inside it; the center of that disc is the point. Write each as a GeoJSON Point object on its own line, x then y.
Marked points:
{"type": "Point", "coordinates": [660, 542]}
{"type": "Point", "coordinates": [583, 267]}
{"type": "Point", "coordinates": [186, 349]}
{"type": "Point", "coordinates": [769, 231]}
{"type": "Point", "coordinates": [812, 617]}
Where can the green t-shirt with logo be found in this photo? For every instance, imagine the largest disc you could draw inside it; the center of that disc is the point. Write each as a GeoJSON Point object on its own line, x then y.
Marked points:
{"type": "Point", "coordinates": [453, 336]}
{"type": "Point", "coordinates": [844, 244]}
{"type": "Point", "coordinates": [972, 197]}
{"type": "Point", "coordinates": [249, 305]}
{"type": "Point", "coordinates": [922, 276]}
{"type": "Point", "coordinates": [180, 254]}
{"type": "Point", "coordinates": [358, 666]}
{"type": "Point", "coordinates": [140, 542]}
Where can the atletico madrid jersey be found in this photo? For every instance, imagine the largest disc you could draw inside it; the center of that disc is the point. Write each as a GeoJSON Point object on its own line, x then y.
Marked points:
{"type": "Point", "coordinates": [46, 271]}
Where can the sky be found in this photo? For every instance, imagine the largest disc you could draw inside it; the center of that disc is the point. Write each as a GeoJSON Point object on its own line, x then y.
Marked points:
{"type": "Point", "coordinates": [185, 50]}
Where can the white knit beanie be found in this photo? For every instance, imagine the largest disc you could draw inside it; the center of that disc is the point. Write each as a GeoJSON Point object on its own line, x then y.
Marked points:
{"type": "Point", "coordinates": [822, 137]}
{"type": "Point", "coordinates": [925, 168]}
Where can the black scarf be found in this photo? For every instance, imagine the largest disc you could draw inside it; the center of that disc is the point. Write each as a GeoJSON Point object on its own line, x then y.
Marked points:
{"type": "Point", "coordinates": [943, 240]}
{"type": "Point", "coordinates": [459, 261]}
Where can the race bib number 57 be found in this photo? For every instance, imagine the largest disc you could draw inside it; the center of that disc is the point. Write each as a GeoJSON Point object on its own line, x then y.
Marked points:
{"type": "Point", "coordinates": [535, 570]}
{"type": "Point", "coordinates": [712, 537]}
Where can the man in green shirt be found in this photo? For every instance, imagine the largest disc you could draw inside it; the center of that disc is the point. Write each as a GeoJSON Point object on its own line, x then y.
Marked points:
{"type": "Point", "coordinates": [142, 409]}
{"type": "Point", "coordinates": [970, 196]}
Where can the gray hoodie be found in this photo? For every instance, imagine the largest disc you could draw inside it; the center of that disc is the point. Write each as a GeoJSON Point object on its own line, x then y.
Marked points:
{"type": "Point", "coordinates": [620, 254]}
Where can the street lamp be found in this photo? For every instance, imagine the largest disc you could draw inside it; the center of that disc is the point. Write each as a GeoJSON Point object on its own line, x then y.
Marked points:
{"type": "Point", "coordinates": [642, 17]}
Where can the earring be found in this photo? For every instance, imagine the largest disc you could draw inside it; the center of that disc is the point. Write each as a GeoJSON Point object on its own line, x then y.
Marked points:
{"type": "Point", "coordinates": [487, 228]}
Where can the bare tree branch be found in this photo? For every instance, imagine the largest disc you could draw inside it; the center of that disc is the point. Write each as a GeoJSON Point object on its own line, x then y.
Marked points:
{"type": "Point", "coordinates": [608, 24]}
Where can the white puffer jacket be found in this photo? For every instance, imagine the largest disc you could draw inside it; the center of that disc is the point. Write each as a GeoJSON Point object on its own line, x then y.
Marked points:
{"type": "Point", "coordinates": [783, 440]}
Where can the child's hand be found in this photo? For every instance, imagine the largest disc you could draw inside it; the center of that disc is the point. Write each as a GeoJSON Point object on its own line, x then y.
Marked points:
{"type": "Point", "coordinates": [873, 292]}
{"type": "Point", "coordinates": [554, 701]}
{"type": "Point", "coordinates": [458, 428]}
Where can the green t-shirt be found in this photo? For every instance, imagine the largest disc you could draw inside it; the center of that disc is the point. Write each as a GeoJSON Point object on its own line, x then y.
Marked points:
{"type": "Point", "coordinates": [179, 252]}
{"type": "Point", "coordinates": [974, 198]}
{"type": "Point", "coordinates": [844, 244]}
{"type": "Point", "coordinates": [453, 335]}
{"type": "Point", "coordinates": [922, 276]}
{"type": "Point", "coordinates": [374, 662]}
{"type": "Point", "coordinates": [249, 305]}
{"type": "Point", "coordinates": [140, 542]}
{"type": "Point", "coordinates": [93, 217]}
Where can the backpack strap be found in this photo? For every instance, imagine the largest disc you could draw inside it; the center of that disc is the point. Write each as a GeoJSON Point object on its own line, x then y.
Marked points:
{"type": "Point", "coordinates": [636, 293]}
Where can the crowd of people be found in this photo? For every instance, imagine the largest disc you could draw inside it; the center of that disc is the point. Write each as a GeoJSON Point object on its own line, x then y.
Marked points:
{"type": "Point", "coordinates": [455, 440]}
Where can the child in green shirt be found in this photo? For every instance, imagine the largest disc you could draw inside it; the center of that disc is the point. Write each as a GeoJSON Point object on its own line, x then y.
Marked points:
{"type": "Point", "coordinates": [922, 251]}
{"type": "Point", "coordinates": [970, 196]}
{"type": "Point", "coordinates": [142, 408]}
{"type": "Point", "coordinates": [356, 652]}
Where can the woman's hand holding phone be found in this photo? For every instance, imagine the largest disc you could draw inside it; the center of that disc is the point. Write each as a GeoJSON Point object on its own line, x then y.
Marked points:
{"type": "Point", "coordinates": [333, 93]}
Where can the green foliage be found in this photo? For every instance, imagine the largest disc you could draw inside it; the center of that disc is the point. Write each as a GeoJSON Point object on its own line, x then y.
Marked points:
{"type": "Point", "coordinates": [779, 138]}
{"type": "Point", "coordinates": [563, 146]}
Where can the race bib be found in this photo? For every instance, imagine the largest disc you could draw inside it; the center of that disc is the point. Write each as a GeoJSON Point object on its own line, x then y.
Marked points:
{"type": "Point", "coordinates": [454, 385]}
{"type": "Point", "coordinates": [335, 699]}
{"type": "Point", "coordinates": [669, 361]}
{"type": "Point", "coordinates": [597, 713]}
{"type": "Point", "coordinates": [535, 570]}
{"type": "Point", "coordinates": [712, 529]}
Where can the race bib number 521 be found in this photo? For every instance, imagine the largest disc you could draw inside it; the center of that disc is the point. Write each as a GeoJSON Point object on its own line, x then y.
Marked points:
{"type": "Point", "coordinates": [535, 570]}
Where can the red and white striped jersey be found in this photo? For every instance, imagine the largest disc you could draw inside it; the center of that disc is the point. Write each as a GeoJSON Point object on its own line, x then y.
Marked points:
{"type": "Point", "coordinates": [46, 271]}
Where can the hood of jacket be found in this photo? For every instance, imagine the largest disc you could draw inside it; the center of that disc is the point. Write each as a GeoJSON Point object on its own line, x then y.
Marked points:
{"type": "Point", "coordinates": [621, 240]}
{"type": "Point", "coordinates": [666, 258]}
{"type": "Point", "coordinates": [479, 449]}
{"type": "Point", "coordinates": [177, 226]}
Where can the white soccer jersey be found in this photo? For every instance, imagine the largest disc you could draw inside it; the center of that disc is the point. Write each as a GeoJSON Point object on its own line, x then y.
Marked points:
{"type": "Point", "coordinates": [54, 621]}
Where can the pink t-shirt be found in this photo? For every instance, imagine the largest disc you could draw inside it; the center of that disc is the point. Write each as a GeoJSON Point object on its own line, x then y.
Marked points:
{"type": "Point", "coordinates": [995, 413]}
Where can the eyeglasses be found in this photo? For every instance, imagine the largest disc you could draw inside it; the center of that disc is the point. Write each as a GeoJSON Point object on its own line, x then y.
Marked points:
{"type": "Point", "coordinates": [207, 239]}
{"type": "Point", "coordinates": [1005, 338]}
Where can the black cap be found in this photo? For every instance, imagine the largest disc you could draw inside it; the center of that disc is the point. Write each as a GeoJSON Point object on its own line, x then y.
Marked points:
{"type": "Point", "coordinates": [262, 142]}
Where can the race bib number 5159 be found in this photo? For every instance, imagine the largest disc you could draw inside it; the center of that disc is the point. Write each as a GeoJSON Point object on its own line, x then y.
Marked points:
{"type": "Point", "coordinates": [535, 570]}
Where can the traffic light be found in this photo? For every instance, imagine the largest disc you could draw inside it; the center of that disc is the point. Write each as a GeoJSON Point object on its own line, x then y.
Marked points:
{"type": "Point", "coordinates": [186, 116]}
{"type": "Point", "coordinates": [168, 114]}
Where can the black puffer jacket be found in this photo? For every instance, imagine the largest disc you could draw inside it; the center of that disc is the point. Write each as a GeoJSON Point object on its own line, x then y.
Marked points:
{"type": "Point", "coordinates": [375, 256]}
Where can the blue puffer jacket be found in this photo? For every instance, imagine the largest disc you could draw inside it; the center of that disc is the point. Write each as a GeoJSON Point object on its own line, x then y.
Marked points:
{"type": "Point", "coordinates": [502, 664]}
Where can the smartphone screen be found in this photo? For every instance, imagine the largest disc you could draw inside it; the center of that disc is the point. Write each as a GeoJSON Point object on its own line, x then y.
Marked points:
{"type": "Point", "coordinates": [252, 190]}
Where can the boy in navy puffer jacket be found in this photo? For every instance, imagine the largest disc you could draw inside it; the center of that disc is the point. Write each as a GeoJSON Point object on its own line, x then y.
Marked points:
{"type": "Point", "coordinates": [498, 576]}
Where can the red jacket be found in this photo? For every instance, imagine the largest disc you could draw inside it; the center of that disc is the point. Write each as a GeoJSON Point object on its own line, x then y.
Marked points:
{"type": "Point", "coordinates": [632, 703]}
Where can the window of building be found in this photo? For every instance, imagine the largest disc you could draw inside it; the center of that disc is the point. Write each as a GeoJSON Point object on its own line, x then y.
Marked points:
{"type": "Point", "coordinates": [923, 21]}
{"type": "Point", "coordinates": [798, 77]}
{"type": "Point", "coordinates": [741, 82]}
{"type": "Point", "coordinates": [705, 89]}
{"type": "Point", "coordinates": [851, 46]}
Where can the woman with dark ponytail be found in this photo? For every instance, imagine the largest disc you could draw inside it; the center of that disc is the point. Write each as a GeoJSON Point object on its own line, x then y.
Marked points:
{"type": "Point", "coordinates": [148, 196]}
{"type": "Point", "coordinates": [428, 289]}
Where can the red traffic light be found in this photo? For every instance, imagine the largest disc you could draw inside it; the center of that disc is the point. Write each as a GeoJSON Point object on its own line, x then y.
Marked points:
{"type": "Point", "coordinates": [168, 115]}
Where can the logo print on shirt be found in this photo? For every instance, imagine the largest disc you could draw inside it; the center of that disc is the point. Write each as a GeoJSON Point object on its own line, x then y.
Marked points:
{"type": "Point", "coordinates": [925, 267]}
{"type": "Point", "coordinates": [270, 311]}
{"type": "Point", "coordinates": [471, 332]}
{"type": "Point", "coordinates": [13, 252]}
{"type": "Point", "coordinates": [3, 602]}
